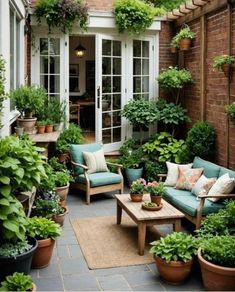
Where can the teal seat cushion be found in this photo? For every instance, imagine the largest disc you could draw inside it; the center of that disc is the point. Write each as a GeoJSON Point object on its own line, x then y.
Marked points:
{"type": "Point", "coordinates": [77, 155]}
{"type": "Point", "coordinates": [210, 169]}
{"type": "Point", "coordinates": [172, 192]}
{"type": "Point", "coordinates": [100, 178]}
{"type": "Point", "coordinates": [224, 170]}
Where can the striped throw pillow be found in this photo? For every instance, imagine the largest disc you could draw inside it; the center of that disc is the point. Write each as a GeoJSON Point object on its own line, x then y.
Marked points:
{"type": "Point", "coordinates": [95, 161]}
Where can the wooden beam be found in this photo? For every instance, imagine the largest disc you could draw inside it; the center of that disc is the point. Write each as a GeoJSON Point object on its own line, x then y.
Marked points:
{"type": "Point", "coordinates": [203, 54]}
{"type": "Point", "coordinates": [199, 11]}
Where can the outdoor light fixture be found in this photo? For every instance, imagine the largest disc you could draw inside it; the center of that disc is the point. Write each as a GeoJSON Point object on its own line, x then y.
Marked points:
{"type": "Point", "coordinates": [80, 51]}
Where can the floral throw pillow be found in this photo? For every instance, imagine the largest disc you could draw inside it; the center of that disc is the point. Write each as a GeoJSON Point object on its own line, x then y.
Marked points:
{"type": "Point", "coordinates": [203, 185]}
{"type": "Point", "coordinates": [188, 178]}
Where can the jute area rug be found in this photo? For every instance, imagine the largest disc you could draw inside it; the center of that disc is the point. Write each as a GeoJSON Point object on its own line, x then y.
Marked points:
{"type": "Point", "coordinates": [105, 244]}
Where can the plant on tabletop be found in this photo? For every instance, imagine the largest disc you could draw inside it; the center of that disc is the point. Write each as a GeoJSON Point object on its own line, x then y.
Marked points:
{"type": "Point", "coordinates": [137, 189]}
{"type": "Point", "coordinates": [223, 62]}
{"type": "Point", "coordinates": [156, 191]}
{"type": "Point", "coordinates": [18, 282]}
{"type": "Point", "coordinates": [45, 231]}
{"type": "Point", "coordinates": [41, 126]}
{"type": "Point", "coordinates": [230, 110]}
{"type": "Point", "coordinates": [174, 255]}
{"type": "Point", "coordinates": [184, 38]}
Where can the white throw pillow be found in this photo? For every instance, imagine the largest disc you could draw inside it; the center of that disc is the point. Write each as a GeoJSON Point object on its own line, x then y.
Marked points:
{"type": "Point", "coordinates": [223, 185]}
{"type": "Point", "coordinates": [204, 184]}
{"type": "Point", "coordinates": [95, 161]}
{"type": "Point", "coordinates": [173, 172]}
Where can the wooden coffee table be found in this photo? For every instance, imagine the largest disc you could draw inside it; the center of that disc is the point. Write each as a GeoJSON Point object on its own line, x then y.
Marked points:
{"type": "Point", "coordinates": [167, 215]}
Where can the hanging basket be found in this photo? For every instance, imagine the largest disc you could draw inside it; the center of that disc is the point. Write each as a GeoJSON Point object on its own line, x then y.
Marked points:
{"type": "Point", "coordinates": [227, 69]}
{"type": "Point", "coordinates": [185, 44]}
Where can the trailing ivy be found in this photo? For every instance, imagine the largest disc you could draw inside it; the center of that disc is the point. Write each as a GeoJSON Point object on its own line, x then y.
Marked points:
{"type": "Point", "coordinates": [2, 89]}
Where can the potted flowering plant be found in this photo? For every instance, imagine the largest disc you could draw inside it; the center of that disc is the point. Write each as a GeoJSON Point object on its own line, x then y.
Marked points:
{"type": "Point", "coordinates": [184, 38]}
{"type": "Point", "coordinates": [156, 191]}
{"type": "Point", "coordinates": [137, 189]}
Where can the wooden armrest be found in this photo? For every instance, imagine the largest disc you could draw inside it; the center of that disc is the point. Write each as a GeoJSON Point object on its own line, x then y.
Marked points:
{"type": "Point", "coordinates": [219, 196]}
{"type": "Point", "coordinates": [80, 165]}
{"type": "Point", "coordinates": [114, 164]}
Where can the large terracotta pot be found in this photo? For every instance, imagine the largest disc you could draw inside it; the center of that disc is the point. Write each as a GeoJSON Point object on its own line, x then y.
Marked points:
{"type": "Point", "coordinates": [185, 44]}
{"type": "Point", "coordinates": [216, 278]}
{"type": "Point", "coordinates": [43, 253]}
{"type": "Point", "coordinates": [156, 199]}
{"type": "Point", "coordinates": [174, 272]}
{"type": "Point", "coordinates": [27, 124]}
{"type": "Point", "coordinates": [136, 197]}
{"type": "Point", "coordinates": [62, 192]}
{"type": "Point", "coordinates": [60, 218]}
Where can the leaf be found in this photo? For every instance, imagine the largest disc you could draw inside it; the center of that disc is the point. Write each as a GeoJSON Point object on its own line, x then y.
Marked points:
{"type": "Point", "coordinates": [5, 190]}
{"type": "Point", "coordinates": [4, 202]}
{"type": "Point", "coordinates": [11, 226]}
{"type": "Point", "coordinates": [5, 180]}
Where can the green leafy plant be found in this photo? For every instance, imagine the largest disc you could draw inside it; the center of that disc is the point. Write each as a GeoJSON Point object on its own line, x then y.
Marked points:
{"type": "Point", "coordinates": [47, 205]}
{"type": "Point", "coordinates": [134, 16]}
{"type": "Point", "coordinates": [17, 282]}
{"type": "Point", "coordinates": [72, 135]}
{"type": "Point", "coordinates": [12, 250]}
{"type": "Point", "coordinates": [41, 123]}
{"type": "Point", "coordinates": [149, 204]}
{"type": "Point", "coordinates": [219, 61]}
{"type": "Point", "coordinates": [177, 246]}
{"type": "Point", "coordinates": [219, 250]}
{"type": "Point", "coordinates": [185, 33]}
{"type": "Point", "coordinates": [132, 159]}
{"type": "Point", "coordinates": [42, 228]}
{"type": "Point", "coordinates": [141, 113]}
{"type": "Point", "coordinates": [47, 183]}
{"type": "Point", "coordinates": [55, 111]}
{"type": "Point", "coordinates": [230, 110]}
{"type": "Point", "coordinates": [175, 42]}
{"type": "Point", "coordinates": [62, 178]}
{"type": "Point", "coordinates": [201, 140]}
{"type": "Point", "coordinates": [156, 189]}
{"type": "Point", "coordinates": [138, 186]}
{"type": "Point", "coordinates": [62, 14]}
{"type": "Point", "coordinates": [28, 99]}
{"type": "Point", "coordinates": [167, 5]}
{"type": "Point", "coordinates": [56, 165]}
{"type": "Point", "coordinates": [153, 168]}
{"type": "Point", "coordinates": [2, 87]}
{"type": "Point", "coordinates": [174, 79]}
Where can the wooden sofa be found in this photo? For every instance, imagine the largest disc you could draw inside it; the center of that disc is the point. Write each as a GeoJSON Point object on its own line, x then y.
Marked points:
{"type": "Point", "coordinates": [196, 209]}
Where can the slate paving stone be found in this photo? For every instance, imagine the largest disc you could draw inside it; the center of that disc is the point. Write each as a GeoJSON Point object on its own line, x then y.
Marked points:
{"type": "Point", "coordinates": [72, 266]}
{"type": "Point", "coordinates": [75, 251]}
{"type": "Point", "coordinates": [141, 278]}
{"type": "Point", "coordinates": [64, 240]}
{"type": "Point", "coordinates": [63, 251]}
{"type": "Point", "coordinates": [49, 284]}
{"type": "Point", "coordinates": [120, 270]}
{"type": "Point", "coordinates": [149, 287]}
{"type": "Point", "coordinates": [50, 271]}
{"type": "Point", "coordinates": [113, 283]}
{"type": "Point", "coordinates": [80, 283]}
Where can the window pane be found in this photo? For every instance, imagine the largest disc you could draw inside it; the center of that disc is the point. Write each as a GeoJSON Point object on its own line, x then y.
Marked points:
{"type": "Point", "coordinates": [137, 85]}
{"type": "Point", "coordinates": [145, 49]}
{"type": "Point", "coordinates": [116, 119]}
{"type": "Point", "coordinates": [116, 134]}
{"type": "Point", "coordinates": [106, 66]}
{"type": "Point", "coordinates": [106, 84]}
{"type": "Point", "coordinates": [116, 101]}
{"type": "Point", "coordinates": [137, 48]}
{"type": "Point", "coordinates": [145, 84]}
{"type": "Point", "coordinates": [106, 134]}
{"type": "Point", "coordinates": [145, 64]}
{"type": "Point", "coordinates": [43, 65]}
{"type": "Point", "coordinates": [137, 66]}
{"type": "Point", "coordinates": [54, 46]}
{"type": "Point", "coordinates": [116, 48]}
{"type": "Point", "coordinates": [106, 120]}
{"type": "Point", "coordinates": [54, 84]}
{"type": "Point", "coordinates": [54, 65]}
{"type": "Point", "coordinates": [116, 84]}
{"type": "Point", "coordinates": [106, 47]}
{"type": "Point", "coordinates": [44, 81]}
{"type": "Point", "coordinates": [117, 66]}
{"type": "Point", "coordinates": [44, 46]}
{"type": "Point", "coordinates": [106, 102]}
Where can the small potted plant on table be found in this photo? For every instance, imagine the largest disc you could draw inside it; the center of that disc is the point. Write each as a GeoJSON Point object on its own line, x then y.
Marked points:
{"type": "Point", "coordinates": [156, 191]}
{"type": "Point", "coordinates": [224, 62]}
{"type": "Point", "coordinates": [137, 190]}
{"type": "Point", "coordinates": [18, 282]}
{"type": "Point", "coordinates": [41, 126]}
{"type": "Point", "coordinates": [173, 255]}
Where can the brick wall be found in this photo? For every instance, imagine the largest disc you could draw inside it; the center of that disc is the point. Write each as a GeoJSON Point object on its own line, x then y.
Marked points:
{"type": "Point", "coordinates": [217, 93]}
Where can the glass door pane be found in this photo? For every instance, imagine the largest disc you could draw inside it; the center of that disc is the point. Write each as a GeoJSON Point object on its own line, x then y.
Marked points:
{"type": "Point", "coordinates": [111, 91]}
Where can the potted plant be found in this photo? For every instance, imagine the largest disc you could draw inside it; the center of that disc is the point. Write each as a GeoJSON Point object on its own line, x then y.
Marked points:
{"type": "Point", "coordinates": [156, 191]}
{"type": "Point", "coordinates": [216, 256]}
{"type": "Point", "coordinates": [137, 190]}
{"type": "Point", "coordinates": [55, 111]}
{"type": "Point", "coordinates": [62, 179]}
{"type": "Point", "coordinates": [21, 168]}
{"type": "Point", "coordinates": [173, 255]}
{"type": "Point", "coordinates": [18, 282]}
{"type": "Point", "coordinates": [45, 231]}
{"type": "Point", "coordinates": [184, 38]}
{"type": "Point", "coordinates": [49, 126]}
{"type": "Point", "coordinates": [224, 62]}
{"type": "Point", "coordinates": [28, 99]}
{"type": "Point", "coordinates": [41, 126]}
{"type": "Point", "coordinates": [174, 45]}
{"type": "Point", "coordinates": [230, 110]}
{"type": "Point", "coordinates": [59, 215]}
{"type": "Point", "coordinates": [72, 135]}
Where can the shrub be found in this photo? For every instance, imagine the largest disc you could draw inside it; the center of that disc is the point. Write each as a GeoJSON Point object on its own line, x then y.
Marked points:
{"type": "Point", "coordinates": [153, 168]}
{"type": "Point", "coordinates": [17, 282]}
{"type": "Point", "coordinates": [132, 159]}
{"type": "Point", "coordinates": [62, 178]}
{"type": "Point", "coordinates": [201, 140]}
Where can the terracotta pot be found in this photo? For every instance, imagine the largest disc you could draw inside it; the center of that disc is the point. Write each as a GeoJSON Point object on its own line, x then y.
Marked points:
{"type": "Point", "coordinates": [156, 199]}
{"type": "Point", "coordinates": [62, 192]}
{"type": "Point", "coordinates": [43, 253]}
{"type": "Point", "coordinates": [226, 68]}
{"type": "Point", "coordinates": [173, 50]}
{"type": "Point", "coordinates": [136, 197]}
{"type": "Point", "coordinates": [62, 203]}
{"type": "Point", "coordinates": [41, 129]}
{"type": "Point", "coordinates": [34, 289]}
{"type": "Point", "coordinates": [49, 128]}
{"type": "Point", "coordinates": [216, 278]}
{"type": "Point", "coordinates": [185, 44]}
{"type": "Point", "coordinates": [27, 124]}
{"type": "Point", "coordinates": [174, 272]}
{"type": "Point", "coordinates": [62, 157]}
{"type": "Point", "coordinates": [60, 218]}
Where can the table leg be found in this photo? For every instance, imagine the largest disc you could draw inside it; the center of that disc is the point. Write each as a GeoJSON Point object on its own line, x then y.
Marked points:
{"type": "Point", "coordinates": [177, 225]}
{"type": "Point", "coordinates": [119, 214]}
{"type": "Point", "coordinates": [141, 237]}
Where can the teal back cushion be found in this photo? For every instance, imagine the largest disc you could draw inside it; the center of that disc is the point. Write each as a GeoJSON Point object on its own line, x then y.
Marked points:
{"type": "Point", "coordinates": [224, 170]}
{"type": "Point", "coordinates": [77, 155]}
{"type": "Point", "coordinates": [210, 169]}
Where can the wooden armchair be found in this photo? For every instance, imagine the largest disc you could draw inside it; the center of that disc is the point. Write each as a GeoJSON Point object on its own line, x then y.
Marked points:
{"type": "Point", "coordinates": [94, 183]}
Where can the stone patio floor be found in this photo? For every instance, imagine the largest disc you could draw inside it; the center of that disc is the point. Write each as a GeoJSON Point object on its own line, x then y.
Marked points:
{"type": "Point", "coordinates": [68, 270]}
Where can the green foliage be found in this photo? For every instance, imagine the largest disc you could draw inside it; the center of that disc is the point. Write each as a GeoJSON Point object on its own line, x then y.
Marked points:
{"type": "Point", "coordinates": [201, 140]}
{"type": "Point", "coordinates": [113, 168]}
{"type": "Point", "coordinates": [230, 110]}
{"type": "Point", "coordinates": [42, 228]}
{"type": "Point", "coordinates": [220, 223]}
{"type": "Point", "coordinates": [55, 111]}
{"type": "Point", "coordinates": [138, 186]}
{"type": "Point", "coordinates": [153, 168]}
{"type": "Point", "coordinates": [72, 135]}
{"type": "Point", "coordinates": [149, 204]}
{"type": "Point", "coordinates": [163, 147]}
{"type": "Point", "coordinates": [21, 168]}
{"type": "Point", "coordinates": [62, 178]}
{"type": "Point", "coordinates": [56, 165]}
{"type": "Point", "coordinates": [185, 33]}
{"type": "Point", "coordinates": [218, 61]}
{"type": "Point", "coordinates": [17, 282]}
{"type": "Point", "coordinates": [219, 250]}
{"type": "Point", "coordinates": [174, 78]}
{"type": "Point", "coordinates": [41, 123]}
{"type": "Point", "coordinates": [62, 14]}
{"type": "Point", "coordinates": [129, 145]}
{"type": "Point", "coordinates": [132, 159]}
{"type": "Point", "coordinates": [12, 250]}
{"type": "Point", "coordinates": [156, 189]}
{"type": "Point", "coordinates": [168, 5]}
{"type": "Point", "coordinates": [48, 182]}
{"type": "Point", "coordinates": [175, 42]}
{"type": "Point", "coordinates": [2, 88]}
{"type": "Point", "coordinates": [134, 16]}
{"type": "Point", "coordinates": [177, 246]}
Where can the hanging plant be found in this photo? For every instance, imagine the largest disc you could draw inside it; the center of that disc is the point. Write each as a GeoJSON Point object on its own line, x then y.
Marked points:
{"type": "Point", "coordinates": [184, 38]}
{"type": "Point", "coordinates": [134, 16]}
{"type": "Point", "coordinates": [62, 13]}
{"type": "Point", "coordinates": [230, 110]}
{"type": "Point", "coordinates": [2, 89]}
{"type": "Point", "coordinates": [223, 62]}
